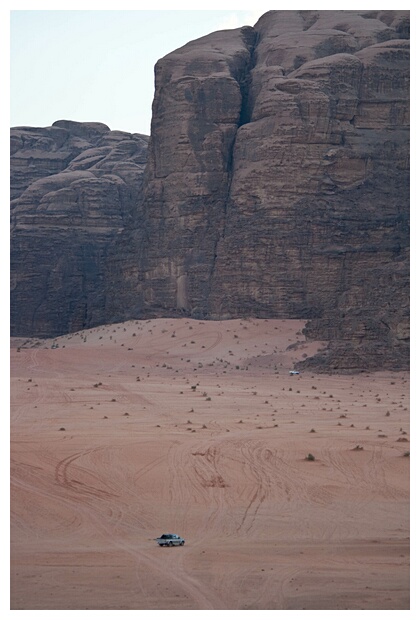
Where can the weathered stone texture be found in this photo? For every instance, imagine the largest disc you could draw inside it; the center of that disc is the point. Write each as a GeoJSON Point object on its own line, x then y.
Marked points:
{"type": "Point", "coordinates": [74, 186]}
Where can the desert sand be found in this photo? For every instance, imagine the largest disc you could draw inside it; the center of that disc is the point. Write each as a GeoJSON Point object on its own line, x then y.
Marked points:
{"type": "Point", "coordinates": [124, 432]}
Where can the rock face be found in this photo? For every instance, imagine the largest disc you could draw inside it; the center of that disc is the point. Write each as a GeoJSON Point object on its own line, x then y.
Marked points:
{"type": "Point", "coordinates": [277, 184]}
{"type": "Point", "coordinates": [74, 186]}
{"type": "Point", "coordinates": [277, 181]}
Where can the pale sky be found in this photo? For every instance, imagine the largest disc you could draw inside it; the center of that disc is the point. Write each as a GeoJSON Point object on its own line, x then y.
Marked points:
{"type": "Point", "coordinates": [98, 65]}
{"type": "Point", "coordinates": [86, 61]}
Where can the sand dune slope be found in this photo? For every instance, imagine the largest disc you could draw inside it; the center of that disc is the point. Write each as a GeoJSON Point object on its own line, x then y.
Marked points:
{"type": "Point", "coordinates": [124, 432]}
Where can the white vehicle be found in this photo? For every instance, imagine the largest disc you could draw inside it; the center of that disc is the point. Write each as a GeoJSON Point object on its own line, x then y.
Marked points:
{"type": "Point", "coordinates": [293, 372]}
{"type": "Point", "coordinates": [170, 540]}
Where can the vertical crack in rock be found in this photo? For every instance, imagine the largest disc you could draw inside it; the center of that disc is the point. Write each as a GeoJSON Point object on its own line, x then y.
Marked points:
{"type": "Point", "coordinates": [243, 75]}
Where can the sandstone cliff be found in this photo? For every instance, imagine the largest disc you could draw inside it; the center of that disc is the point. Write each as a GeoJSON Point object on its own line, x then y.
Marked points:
{"type": "Point", "coordinates": [277, 181]}
{"type": "Point", "coordinates": [276, 185]}
{"type": "Point", "coordinates": [74, 186]}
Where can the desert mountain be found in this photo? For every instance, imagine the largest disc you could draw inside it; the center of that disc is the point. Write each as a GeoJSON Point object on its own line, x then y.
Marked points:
{"type": "Point", "coordinates": [276, 185]}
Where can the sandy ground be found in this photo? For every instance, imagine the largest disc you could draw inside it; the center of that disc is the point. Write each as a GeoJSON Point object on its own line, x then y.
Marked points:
{"type": "Point", "coordinates": [124, 432]}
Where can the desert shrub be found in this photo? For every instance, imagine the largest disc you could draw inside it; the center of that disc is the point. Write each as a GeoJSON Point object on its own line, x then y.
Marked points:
{"type": "Point", "coordinates": [310, 457]}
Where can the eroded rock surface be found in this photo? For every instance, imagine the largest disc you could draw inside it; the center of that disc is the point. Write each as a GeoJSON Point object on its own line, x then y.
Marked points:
{"type": "Point", "coordinates": [74, 186]}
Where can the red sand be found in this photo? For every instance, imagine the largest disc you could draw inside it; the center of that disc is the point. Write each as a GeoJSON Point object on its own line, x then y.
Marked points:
{"type": "Point", "coordinates": [125, 432]}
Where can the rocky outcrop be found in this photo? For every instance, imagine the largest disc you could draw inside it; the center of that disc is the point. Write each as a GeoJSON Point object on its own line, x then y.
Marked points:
{"type": "Point", "coordinates": [277, 184]}
{"type": "Point", "coordinates": [74, 186]}
{"type": "Point", "coordinates": [277, 181]}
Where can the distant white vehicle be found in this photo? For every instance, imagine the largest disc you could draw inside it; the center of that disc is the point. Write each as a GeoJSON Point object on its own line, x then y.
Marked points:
{"type": "Point", "coordinates": [170, 540]}
{"type": "Point", "coordinates": [294, 372]}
